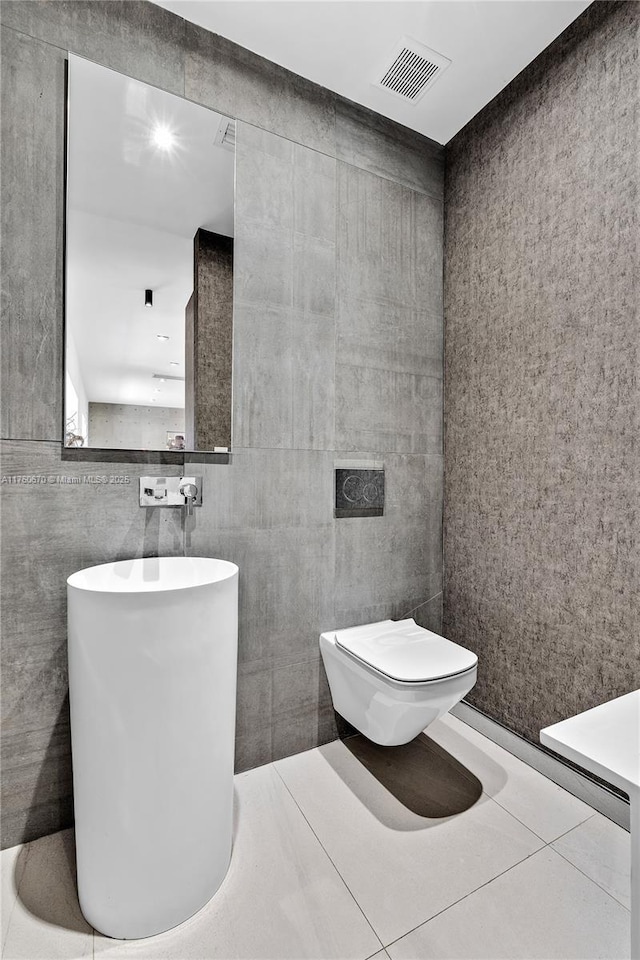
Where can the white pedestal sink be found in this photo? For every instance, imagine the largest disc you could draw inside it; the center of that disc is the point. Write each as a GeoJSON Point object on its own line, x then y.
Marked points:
{"type": "Point", "coordinates": [152, 681]}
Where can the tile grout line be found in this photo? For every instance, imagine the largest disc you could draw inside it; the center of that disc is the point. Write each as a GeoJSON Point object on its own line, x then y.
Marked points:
{"type": "Point", "coordinates": [572, 864]}
{"type": "Point", "coordinates": [465, 897]}
{"type": "Point", "coordinates": [286, 786]}
{"type": "Point", "coordinates": [517, 819]}
{"type": "Point", "coordinates": [571, 829]}
{"type": "Point", "coordinates": [531, 830]}
{"type": "Point", "coordinates": [599, 885]}
{"type": "Point", "coordinates": [528, 767]}
{"type": "Point", "coordinates": [512, 867]}
{"type": "Point", "coordinates": [544, 845]}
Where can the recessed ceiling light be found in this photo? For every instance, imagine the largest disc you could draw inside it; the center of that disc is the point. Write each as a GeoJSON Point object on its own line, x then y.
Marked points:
{"type": "Point", "coordinates": [173, 363]}
{"type": "Point", "coordinates": [162, 337]}
{"type": "Point", "coordinates": [163, 137]}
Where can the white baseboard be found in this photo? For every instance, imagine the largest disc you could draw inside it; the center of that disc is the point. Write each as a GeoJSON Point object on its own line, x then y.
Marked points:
{"type": "Point", "coordinates": [603, 800]}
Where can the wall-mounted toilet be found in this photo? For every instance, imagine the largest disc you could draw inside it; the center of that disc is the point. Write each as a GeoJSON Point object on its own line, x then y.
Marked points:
{"type": "Point", "coordinates": [391, 679]}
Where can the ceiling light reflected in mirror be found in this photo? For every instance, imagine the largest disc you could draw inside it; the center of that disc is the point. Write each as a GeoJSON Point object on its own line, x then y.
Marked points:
{"type": "Point", "coordinates": [163, 138]}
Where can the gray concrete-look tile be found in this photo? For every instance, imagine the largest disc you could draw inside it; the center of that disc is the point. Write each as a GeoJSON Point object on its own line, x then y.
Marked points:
{"type": "Point", "coordinates": [40, 521]}
{"type": "Point", "coordinates": [347, 615]}
{"type": "Point", "coordinates": [264, 179]}
{"type": "Point", "coordinates": [429, 614]}
{"type": "Point", "coordinates": [294, 489]}
{"type": "Point", "coordinates": [252, 140]}
{"type": "Point", "coordinates": [262, 376]}
{"type": "Point", "coordinates": [381, 560]}
{"type": "Point", "coordinates": [235, 81]}
{"type": "Point", "coordinates": [253, 716]}
{"type": "Point", "coordinates": [228, 491]}
{"type": "Point", "coordinates": [396, 337]}
{"type": "Point", "coordinates": [314, 187]}
{"type": "Point", "coordinates": [254, 750]}
{"type": "Point", "coordinates": [368, 140]}
{"type": "Point", "coordinates": [303, 714]}
{"type": "Point", "coordinates": [413, 486]}
{"type": "Point", "coordinates": [36, 781]}
{"type": "Point", "coordinates": [43, 542]}
{"type": "Point", "coordinates": [387, 411]}
{"type": "Point", "coordinates": [295, 690]}
{"type": "Point", "coordinates": [33, 83]}
{"type": "Point", "coordinates": [138, 39]}
{"type": "Point", "coordinates": [34, 691]}
{"type": "Point", "coordinates": [429, 251]}
{"type": "Point", "coordinates": [288, 595]}
{"type": "Point", "coordinates": [314, 277]}
{"type": "Point", "coordinates": [265, 489]}
{"type": "Point", "coordinates": [413, 608]}
{"type": "Point", "coordinates": [351, 615]}
{"type": "Point", "coordinates": [263, 265]}
{"type": "Point", "coordinates": [286, 589]}
{"type": "Point", "coordinates": [562, 914]}
{"type": "Point", "coordinates": [51, 529]}
{"type": "Point", "coordinates": [313, 381]}
{"type": "Point", "coordinates": [375, 238]}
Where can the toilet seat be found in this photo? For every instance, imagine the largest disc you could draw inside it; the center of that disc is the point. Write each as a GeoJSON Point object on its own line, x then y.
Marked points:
{"type": "Point", "coordinates": [391, 680]}
{"type": "Point", "coordinates": [405, 652]}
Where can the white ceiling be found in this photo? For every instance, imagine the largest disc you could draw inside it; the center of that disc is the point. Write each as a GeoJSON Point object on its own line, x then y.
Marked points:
{"type": "Point", "coordinates": [133, 211]}
{"type": "Point", "coordinates": [344, 45]}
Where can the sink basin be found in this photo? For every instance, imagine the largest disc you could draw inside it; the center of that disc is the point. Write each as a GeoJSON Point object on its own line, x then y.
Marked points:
{"type": "Point", "coordinates": [152, 685]}
{"type": "Point", "coordinates": [152, 574]}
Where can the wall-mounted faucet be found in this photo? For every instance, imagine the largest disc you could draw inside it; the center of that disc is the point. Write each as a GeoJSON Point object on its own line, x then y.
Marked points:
{"type": "Point", "coordinates": [171, 492]}
{"type": "Point", "coordinates": [189, 490]}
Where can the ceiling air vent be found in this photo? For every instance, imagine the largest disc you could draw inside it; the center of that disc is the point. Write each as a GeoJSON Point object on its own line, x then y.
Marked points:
{"type": "Point", "coordinates": [226, 135]}
{"type": "Point", "coordinates": [412, 69]}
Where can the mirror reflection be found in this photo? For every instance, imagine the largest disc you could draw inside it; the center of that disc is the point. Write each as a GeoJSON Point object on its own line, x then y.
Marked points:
{"type": "Point", "coordinates": [149, 267]}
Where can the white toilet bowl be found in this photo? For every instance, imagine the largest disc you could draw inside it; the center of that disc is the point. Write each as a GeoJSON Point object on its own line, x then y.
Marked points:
{"type": "Point", "coordinates": [391, 679]}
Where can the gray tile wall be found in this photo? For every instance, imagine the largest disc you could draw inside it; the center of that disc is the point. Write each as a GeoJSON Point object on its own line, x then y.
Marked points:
{"type": "Point", "coordinates": [327, 364]}
{"type": "Point", "coordinates": [49, 530]}
{"type": "Point", "coordinates": [132, 427]}
{"type": "Point", "coordinates": [541, 374]}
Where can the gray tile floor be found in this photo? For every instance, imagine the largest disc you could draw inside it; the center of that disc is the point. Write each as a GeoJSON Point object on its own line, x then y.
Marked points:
{"type": "Point", "coordinates": [334, 857]}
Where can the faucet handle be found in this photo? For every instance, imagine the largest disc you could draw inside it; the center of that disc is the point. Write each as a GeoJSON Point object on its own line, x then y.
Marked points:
{"type": "Point", "coordinates": [191, 489]}
{"type": "Point", "coordinates": [188, 490]}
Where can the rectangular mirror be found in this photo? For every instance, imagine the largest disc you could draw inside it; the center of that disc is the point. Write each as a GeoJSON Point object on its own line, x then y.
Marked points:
{"type": "Point", "coordinates": [149, 267]}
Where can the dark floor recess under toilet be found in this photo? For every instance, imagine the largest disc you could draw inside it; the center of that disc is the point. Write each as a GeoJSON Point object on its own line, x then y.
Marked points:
{"type": "Point", "coordinates": [420, 774]}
